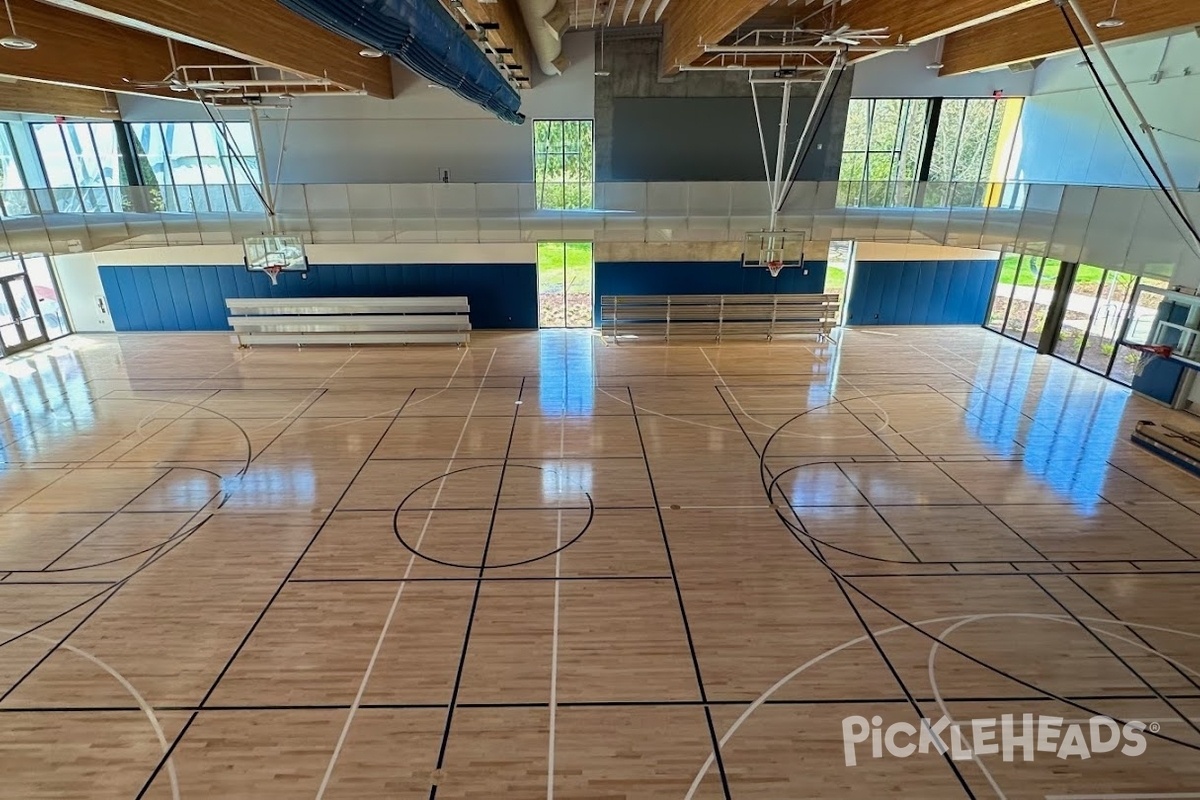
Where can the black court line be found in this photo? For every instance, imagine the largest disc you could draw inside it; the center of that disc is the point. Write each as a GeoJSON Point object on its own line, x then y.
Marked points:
{"type": "Point", "coordinates": [881, 517]}
{"type": "Point", "coordinates": [799, 533]}
{"type": "Point", "coordinates": [785, 702]}
{"type": "Point", "coordinates": [104, 595]}
{"type": "Point", "coordinates": [687, 629]}
{"type": "Point", "coordinates": [514, 578]}
{"type": "Point", "coordinates": [166, 756]}
{"type": "Point", "coordinates": [462, 658]}
{"type": "Point", "coordinates": [1103, 643]}
{"type": "Point", "coordinates": [909, 698]}
{"type": "Point", "coordinates": [1133, 631]}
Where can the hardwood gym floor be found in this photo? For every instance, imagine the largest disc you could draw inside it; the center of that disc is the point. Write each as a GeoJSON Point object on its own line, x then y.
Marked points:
{"type": "Point", "coordinates": [544, 566]}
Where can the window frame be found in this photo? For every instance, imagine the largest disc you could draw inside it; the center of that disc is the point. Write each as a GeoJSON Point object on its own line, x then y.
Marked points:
{"type": "Point", "coordinates": [586, 186]}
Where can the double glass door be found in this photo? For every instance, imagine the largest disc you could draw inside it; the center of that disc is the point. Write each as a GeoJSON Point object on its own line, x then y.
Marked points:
{"type": "Point", "coordinates": [20, 319]}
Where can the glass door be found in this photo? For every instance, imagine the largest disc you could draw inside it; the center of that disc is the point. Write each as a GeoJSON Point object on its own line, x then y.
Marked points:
{"type": "Point", "coordinates": [20, 323]}
{"type": "Point", "coordinates": [565, 295]}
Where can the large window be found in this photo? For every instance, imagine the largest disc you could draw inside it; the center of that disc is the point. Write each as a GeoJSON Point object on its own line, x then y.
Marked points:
{"type": "Point", "coordinates": [970, 149]}
{"type": "Point", "coordinates": [1097, 308]}
{"type": "Point", "coordinates": [192, 167]}
{"type": "Point", "coordinates": [881, 155]}
{"type": "Point", "coordinates": [83, 165]}
{"type": "Point", "coordinates": [564, 164]}
{"type": "Point", "coordinates": [887, 151]}
{"type": "Point", "coordinates": [173, 166]}
{"type": "Point", "coordinates": [14, 199]}
{"type": "Point", "coordinates": [1021, 299]}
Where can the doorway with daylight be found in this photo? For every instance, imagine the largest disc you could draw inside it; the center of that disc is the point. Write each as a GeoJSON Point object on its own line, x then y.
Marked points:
{"type": "Point", "coordinates": [565, 284]}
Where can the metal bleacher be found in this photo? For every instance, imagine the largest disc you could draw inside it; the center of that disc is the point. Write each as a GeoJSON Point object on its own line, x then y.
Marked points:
{"type": "Point", "coordinates": [718, 316]}
{"type": "Point", "coordinates": [351, 320]}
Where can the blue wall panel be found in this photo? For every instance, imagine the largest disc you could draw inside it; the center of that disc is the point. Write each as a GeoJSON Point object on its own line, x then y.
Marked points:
{"type": "Point", "coordinates": [702, 277]}
{"type": "Point", "coordinates": [920, 292]}
{"type": "Point", "coordinates": [189, 298]}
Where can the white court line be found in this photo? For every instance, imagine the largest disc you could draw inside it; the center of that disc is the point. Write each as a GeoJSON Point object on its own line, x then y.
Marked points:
{"type": "Point", "coordinates": [904, 626]}
{"type": "Point", "coordinates": [387, 623]}
{"type": "Point", "coordinates": [562, 449]}
{"type": "Point", "coordinates": [339, 369]}
{"type": "Point", "coordinates": [146, 708]}
{"type": "Point", "coordinates": [1144, 796]}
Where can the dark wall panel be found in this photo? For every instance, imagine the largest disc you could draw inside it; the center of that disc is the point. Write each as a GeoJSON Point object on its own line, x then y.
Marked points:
{"type": "Point", "coordinates": [702, 277]}
{"type": "Point", "coordinates": [190, 298]}
{"type": "Point", "coordinates": [920, 292]}
{"type": "Point", "coordinates": [708, 139]}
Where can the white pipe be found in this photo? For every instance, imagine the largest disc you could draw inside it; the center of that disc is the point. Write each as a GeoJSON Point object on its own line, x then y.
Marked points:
{"type": "Point", "coordinates": [808, 124]}
{"type": "Point", "coordinates": [662, 6]}
{"type": "Point", "coordinates": [762, 140]}
{"type": "Point", "coordinates": [1146, 127]}
{"type": "Point", "coordinates": [645, 10]}
{"type": "Point", "coordinates": [780, 154]}
{"type": "Point", "coordinates": [783, 49]}
{"type": "Point", "coordinates": [628, 9]}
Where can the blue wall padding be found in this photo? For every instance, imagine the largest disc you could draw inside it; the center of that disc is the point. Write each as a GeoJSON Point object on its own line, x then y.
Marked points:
{"type": "Point", "coordinates": [181, 298]}
{"type": "Point", "coordinates": [1159, 378]}
{"type": "Point", "coordinates": [921, 292]}
{"type": "Point", "coordinates": [703, 277]}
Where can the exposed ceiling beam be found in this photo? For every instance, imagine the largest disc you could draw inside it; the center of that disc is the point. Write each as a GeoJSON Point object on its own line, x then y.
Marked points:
{"type": "Point", "coordinates": [62, 101]}
{"type": "Point", "coordinates": [1040, 32]}
{"type": "Point", "coordinates": [690, 24]}
{"type": "Point", "coordinates": [254, 30]}
{"type": "Point", "coordinates": [918, 20]}
{"type": "Point", "coordinates": [510, 33]}
{"type": "Point", "coordinates": [75, 50]}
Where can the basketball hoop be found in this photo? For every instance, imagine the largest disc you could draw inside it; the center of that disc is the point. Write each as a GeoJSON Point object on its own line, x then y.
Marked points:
{"type": "Point", "coordinates": [1154, 350]}
{"type": "Point", "coordinates": [273, 273]}
{"type": "Point", "coordinates": [774, 267]}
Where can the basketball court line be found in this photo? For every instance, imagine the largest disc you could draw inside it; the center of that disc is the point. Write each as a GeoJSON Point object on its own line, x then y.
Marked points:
{"type": "Point", "coordinates": [712, 730]}
{"type": "Point", "coordinates": [387, 623]}
{"type": "Point", "coordinates": [258, 619]}
{"type": "Point", "coordinates": [462, 658]}
{"type": "Point", "coordinates": [843, 584]}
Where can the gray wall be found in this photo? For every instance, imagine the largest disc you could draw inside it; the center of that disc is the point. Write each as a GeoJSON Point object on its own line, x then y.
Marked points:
{"type": "Point", "coordinates": [406, 139]}
{"type": "Point", "coordinates": [698, 126]}
{"type": "Point", "coordinates": [1068, 134]}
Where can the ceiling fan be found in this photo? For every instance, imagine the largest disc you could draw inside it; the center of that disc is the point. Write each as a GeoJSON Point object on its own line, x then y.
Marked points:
{"type": "Point", "coordinates": [172, 82]}
{"type": "Point", "coordinates": [852, 37]}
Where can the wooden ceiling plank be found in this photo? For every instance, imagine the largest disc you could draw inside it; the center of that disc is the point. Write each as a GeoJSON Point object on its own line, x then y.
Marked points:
{"type": "Point", "coordinates": [920, 20]}
{"type": "Point", "coordinates": [690, 24]}
{"type": "Point", "coordinates": [75, 50]}
{"type": "Point", "coordinates": [1042, 32]}
{"type": "Point", "coordinates": [510, 32]}
{"type": "Point", "coordinates": [255, 30]}
{"type": "Point", "coordinates": [62, 101]}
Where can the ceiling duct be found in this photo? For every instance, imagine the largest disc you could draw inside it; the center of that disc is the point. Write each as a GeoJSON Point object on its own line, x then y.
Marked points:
{"type": "Point", "coordinates": [423, 36]}
{"type": "Point", "coordinates": [546, 20]}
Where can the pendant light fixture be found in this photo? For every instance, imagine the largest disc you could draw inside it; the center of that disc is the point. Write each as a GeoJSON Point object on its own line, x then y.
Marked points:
{"type": "Point", "coordinates": [1112, 20]}
{"type": "Point", "coordinates": [15, 41]}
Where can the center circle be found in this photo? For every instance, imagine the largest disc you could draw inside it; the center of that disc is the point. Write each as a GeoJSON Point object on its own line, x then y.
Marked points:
{"type": "Point", "coordinates": [450, 482]}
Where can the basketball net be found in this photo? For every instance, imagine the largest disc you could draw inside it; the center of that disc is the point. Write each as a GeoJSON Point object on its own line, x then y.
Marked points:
{"type": "Point", "coordinates": [273, 274]}
{"type": "Point", "coordinates": [1149, 353]}
{"type": "Point", "coordinates": [774, 267]}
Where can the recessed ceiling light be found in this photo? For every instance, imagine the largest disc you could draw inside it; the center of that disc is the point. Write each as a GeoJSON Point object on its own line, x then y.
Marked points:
{"type": "Point", "coordinates": [370, 52]}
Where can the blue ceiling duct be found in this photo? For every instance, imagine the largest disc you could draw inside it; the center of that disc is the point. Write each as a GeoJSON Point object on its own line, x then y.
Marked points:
{"type": "Point", "coordinates": [424, 37]}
